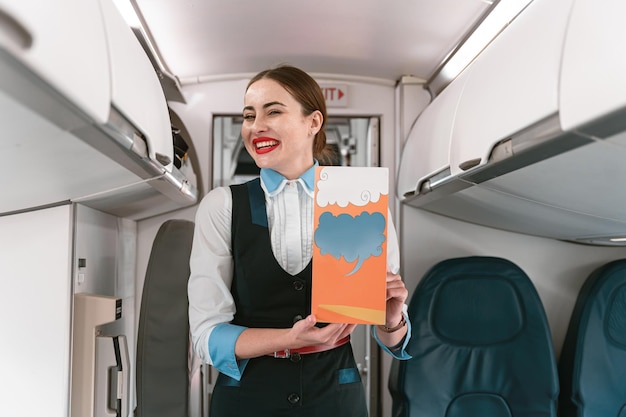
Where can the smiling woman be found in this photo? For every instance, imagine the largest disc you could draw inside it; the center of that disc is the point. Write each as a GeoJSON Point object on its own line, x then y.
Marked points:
{"type": "Point", "coordinates": [288, 105]}
{"type": "Point", "coordinates": [249, 289]}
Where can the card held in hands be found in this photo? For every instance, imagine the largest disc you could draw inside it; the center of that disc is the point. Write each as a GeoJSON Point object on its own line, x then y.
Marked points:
{"type": "Point", "coordinates": [350, 244]}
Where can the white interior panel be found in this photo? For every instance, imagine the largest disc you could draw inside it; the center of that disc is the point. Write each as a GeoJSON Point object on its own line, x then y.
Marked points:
{"type": "Point", "coordinates": [96, 243]}
{"type": "Point", "coordinates": [35, 254]}
{"type": "Point", "coordinates": [350, 37]}
{"type": "Point", "coordinates": [592, 78]}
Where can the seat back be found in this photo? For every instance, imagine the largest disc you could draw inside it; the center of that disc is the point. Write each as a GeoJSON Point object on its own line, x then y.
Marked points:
{"type": "Point", "coordinates": [480, 345]}
{"type": "Point", "coordinates": [163, 337]}
{"type": "Point", "coordinates": [592, 365]}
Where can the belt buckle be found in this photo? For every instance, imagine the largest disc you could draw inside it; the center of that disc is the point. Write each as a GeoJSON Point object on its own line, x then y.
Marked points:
{"type": "Point", "coordinates": [283, 354]}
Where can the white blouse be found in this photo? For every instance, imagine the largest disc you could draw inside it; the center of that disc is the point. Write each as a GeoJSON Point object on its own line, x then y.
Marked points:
{"type": "Point", "coordinates": [289, 208]}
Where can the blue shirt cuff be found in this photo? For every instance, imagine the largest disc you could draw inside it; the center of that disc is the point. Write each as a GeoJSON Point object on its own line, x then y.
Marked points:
{"type": "Point", "coordinates": [222, 350]}
{"type": "Point", "coordinates": [400, 354]}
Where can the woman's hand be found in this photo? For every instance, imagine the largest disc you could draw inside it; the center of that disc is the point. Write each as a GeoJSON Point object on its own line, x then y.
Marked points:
{"type": "Point", "coordinates": [304, 333]}
{"type": "Point", "coordinates": [396, 298]}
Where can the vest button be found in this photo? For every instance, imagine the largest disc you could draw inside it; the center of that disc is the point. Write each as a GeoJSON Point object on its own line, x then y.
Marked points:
{"type": "Point", "coordinates": [298, 285]}
{"type": "Point", "coordinates": [293, 398]}
{"type": "Point", "coordinates": [295, 357]}
{"type": "Point", "coordinates": [297, 318]}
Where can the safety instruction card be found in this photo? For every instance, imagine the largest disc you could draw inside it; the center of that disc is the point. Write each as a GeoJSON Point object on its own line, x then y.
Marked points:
{"type": "Point", "coordinates": [350, 244]}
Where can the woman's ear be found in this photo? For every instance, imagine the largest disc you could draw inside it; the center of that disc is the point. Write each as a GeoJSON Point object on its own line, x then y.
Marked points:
{"type": "Point", "coordinates": [316, 121]}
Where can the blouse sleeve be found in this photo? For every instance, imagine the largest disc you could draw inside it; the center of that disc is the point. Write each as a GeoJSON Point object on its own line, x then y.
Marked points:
{"type": "Point", "coordinates": [211, 305]}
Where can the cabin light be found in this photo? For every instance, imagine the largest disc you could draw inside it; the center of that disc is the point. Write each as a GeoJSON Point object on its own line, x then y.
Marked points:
{"type": "Point", "coordinates": [501, 15]}
{"type": "Point", "coordinates": [128, 12]}
{"type": "Point", "coordinates": [602, 241]}
{"type": "Point", "coordinates": [132, 15]}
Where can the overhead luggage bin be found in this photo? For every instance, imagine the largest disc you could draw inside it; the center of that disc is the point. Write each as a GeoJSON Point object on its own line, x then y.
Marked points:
{"type": "Point", "coordinates": [592, 76]}
{"type": "Point", "coordinates": [84, 113]}
{"type": "Point", "coordinates": [135, 89]}
{"type": "Point", "coordinates": [512, 84]}
{"type": "Point", "coordinates": [531, 153]}
{"type": "Point", "coordinates": [62, 42]}
{"type": "Point", "coordinates": [425, 157]}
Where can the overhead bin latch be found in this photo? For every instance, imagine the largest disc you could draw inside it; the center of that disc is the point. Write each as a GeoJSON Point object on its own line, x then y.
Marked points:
{"type": "Point", "coordinates": [502, 150]}
{"type": "Point", "coordinates": [163, 159]}
{"type": "Point", "coordinates": [469, 164]}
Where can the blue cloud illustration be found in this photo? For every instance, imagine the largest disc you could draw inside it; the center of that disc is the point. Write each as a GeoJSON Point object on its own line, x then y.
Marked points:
{"type": "Point", "coordinates": [354, 238]}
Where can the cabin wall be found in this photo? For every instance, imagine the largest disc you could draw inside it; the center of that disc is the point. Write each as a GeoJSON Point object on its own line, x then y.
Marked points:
{"type": "Point", "coordinates": [36, 285]}
{"type": "Point", "coordinates": [557, 268]}
{"type": "Point", "coordinates": [107, 244]}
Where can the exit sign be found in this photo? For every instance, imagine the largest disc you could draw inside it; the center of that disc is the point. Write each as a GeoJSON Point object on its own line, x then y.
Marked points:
{"type": "Point", "coordinates": [336, 95]}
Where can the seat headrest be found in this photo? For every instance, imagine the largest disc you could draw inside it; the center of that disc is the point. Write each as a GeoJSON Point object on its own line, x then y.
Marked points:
{"type": "Point", "coordinates": [477, 310]}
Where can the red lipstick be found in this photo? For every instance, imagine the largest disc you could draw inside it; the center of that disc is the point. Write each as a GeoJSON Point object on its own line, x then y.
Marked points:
{"type": "Point", "coordinates": [264, 144]}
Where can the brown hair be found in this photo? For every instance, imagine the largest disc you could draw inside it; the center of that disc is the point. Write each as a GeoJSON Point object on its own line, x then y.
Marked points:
{"type": "Point", "coordinates": [308, 93]}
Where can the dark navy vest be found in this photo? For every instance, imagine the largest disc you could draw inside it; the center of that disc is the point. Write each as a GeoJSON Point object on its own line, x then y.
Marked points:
{"type": "Point", "coordinates": [313, 385]}
{"type": "Point", "coordinates": [264, 293]}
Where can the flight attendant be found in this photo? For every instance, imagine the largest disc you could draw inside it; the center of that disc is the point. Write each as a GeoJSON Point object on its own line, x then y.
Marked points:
{"type": "Point", "coordinates": [250, 284]}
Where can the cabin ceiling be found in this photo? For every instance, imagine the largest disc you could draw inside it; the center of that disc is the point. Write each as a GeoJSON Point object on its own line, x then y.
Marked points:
{"type": "Point", "coordinates": [370, 38]}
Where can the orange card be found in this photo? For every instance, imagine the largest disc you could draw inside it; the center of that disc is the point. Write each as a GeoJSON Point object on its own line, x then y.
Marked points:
{"type": "Point", "coordinates": [350, 244]}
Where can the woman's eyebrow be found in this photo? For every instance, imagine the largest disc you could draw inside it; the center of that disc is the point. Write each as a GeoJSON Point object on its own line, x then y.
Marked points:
{"type": "Point", "coordinates": [272, 103]}
{"type": "Point", "coordinates": [266, 105]}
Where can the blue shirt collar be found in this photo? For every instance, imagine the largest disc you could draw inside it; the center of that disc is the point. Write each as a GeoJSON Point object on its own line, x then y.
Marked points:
{"type": "Point", "coordinates": [274, 181]}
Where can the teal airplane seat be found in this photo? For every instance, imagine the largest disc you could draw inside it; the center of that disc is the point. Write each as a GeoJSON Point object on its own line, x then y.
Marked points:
{"type": "Point", "coordinates": [163, 348]}
{"type": "Point", "coordinates": [593, 359]}
{"type": "Point", "coordinates": [480, 345]}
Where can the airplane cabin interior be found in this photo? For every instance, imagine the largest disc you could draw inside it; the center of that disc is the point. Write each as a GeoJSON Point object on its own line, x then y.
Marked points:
{"type": "Point", "coordinates": [502, 123]}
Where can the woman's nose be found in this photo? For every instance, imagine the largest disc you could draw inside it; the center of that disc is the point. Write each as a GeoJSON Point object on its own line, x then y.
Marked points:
{"type": "Point", "coordinates": [259, 124]}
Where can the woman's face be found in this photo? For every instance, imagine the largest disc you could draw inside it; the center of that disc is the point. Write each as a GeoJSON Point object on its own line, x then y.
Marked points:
{"type": "Point", "coordinates": [275, 131]}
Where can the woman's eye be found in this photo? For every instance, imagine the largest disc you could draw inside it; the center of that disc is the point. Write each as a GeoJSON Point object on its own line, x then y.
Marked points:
{"type": "Point", "coordinates": [248, 117]}
{"type": "Point", "coordinates": [273, 112]}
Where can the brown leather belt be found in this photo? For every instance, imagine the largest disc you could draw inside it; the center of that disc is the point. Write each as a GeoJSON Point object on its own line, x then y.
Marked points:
{"type": "Point", "coordinates": [286, 353]}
